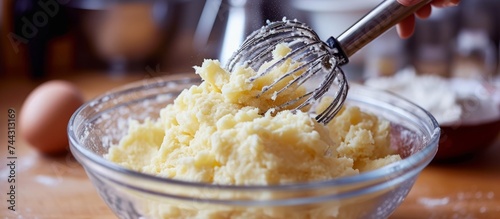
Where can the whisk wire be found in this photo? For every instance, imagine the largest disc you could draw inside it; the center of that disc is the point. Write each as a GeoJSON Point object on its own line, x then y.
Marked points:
{"type": "Point", "coordinates": [296, 52]}
{"type": "Point", "coordinates": [328, 114]}
{"type": "Point", "coordinates": [273, 34]}
{"type": "Point", "coordinates": [302, 78]}
{"type": "Point", "coordinates": [311, 64]}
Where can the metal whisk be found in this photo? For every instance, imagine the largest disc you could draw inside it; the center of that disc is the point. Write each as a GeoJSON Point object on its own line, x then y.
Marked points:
{"type": "Point", "coordinates": [316, 58]}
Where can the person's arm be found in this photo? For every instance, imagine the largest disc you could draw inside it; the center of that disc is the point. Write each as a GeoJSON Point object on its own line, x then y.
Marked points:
{"type": "Point", "coordinates": [406, 26]}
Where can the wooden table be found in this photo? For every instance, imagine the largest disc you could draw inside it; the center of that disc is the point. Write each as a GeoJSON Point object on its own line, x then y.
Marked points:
{"type": "Point", "coordinates": [57, 187]}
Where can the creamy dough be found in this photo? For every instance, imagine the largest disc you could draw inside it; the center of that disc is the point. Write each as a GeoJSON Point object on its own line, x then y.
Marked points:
{"type": "Point", "coordinates": [216, 132]}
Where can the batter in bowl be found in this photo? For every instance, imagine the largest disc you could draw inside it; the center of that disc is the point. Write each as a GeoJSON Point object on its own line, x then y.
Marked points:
{"type": "Point", "coordinates": [216, 132]}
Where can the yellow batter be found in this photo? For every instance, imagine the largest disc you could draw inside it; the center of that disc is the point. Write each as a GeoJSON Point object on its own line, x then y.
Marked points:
{"type": "Point", "coordinates": [216, 133]}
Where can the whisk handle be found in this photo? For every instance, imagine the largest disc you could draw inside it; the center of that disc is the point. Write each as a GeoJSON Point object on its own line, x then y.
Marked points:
{"type": "Point", "coordinates": [383, 17]}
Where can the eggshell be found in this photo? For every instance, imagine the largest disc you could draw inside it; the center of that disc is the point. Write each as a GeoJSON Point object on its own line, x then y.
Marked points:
{"type": "Point", "coordinates": [45, 114]}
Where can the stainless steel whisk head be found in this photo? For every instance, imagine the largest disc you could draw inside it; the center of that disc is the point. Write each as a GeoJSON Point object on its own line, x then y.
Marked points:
{"type": "Point", "coordinates": [315, 57]}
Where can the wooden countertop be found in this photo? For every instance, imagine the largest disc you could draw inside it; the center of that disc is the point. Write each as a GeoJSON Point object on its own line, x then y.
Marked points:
{"type": "Point", "coordinates": [57, 187]}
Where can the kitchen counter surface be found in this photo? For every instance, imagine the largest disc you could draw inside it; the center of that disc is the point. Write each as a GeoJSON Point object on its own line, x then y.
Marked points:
{"type": "Point", "coordinates": [57, 187]}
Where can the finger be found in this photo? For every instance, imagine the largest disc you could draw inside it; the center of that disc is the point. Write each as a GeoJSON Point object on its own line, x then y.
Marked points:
{"type": "Point", "coordinates": [445, 3]}
{"type": "Point", "coordinates": [406, 26]}
{"type": "Point", "coordinates": [424, 11]}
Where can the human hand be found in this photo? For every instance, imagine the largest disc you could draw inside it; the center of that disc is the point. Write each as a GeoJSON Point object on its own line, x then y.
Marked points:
{"type": "Point", "coordinates": [406, 27]}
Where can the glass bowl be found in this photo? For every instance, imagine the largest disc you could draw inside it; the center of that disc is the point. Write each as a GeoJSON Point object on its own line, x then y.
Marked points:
{"type": "Point", "coordinates": [101, 122]}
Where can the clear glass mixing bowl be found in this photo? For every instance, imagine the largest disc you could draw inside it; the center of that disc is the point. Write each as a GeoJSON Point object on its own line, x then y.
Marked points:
{"type": "Point", "coordinates": [101, 122]}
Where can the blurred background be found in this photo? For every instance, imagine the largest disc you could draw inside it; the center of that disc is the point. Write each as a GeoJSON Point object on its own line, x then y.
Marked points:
{"type": "Point", "coordinates": [101, 44]}
{"type": "Point", "coordinates": [43, 39]}
{"type": "Point", "coordinates": [49, 38]}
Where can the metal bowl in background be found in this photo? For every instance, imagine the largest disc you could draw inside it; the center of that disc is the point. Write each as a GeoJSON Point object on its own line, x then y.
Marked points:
{"type": "Point", "coordinates": [123, 36]}
{"type": "Point", "coordinates": [162, 36]}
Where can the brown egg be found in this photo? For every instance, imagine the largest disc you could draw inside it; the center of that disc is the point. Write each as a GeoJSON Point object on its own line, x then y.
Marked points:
{"type": "Point", "coordinates": [45, 115]}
